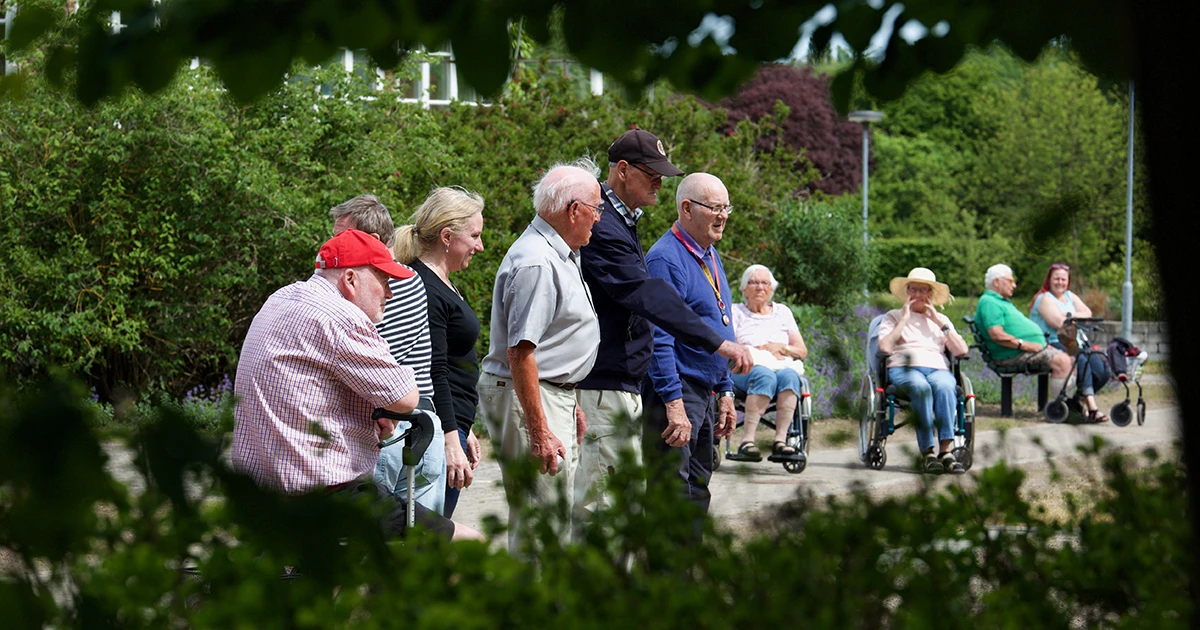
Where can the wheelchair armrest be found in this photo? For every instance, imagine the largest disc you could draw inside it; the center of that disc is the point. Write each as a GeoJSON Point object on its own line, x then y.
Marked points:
{"type": "Point", "coordinates": [420, 430]}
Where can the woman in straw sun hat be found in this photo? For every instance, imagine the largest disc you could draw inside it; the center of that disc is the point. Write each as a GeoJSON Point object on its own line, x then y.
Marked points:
{"type": "Point", "coordinates": [915, 338]}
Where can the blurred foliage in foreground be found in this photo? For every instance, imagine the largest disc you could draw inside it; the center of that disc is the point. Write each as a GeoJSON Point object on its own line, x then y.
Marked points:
{"type": "Point", "coordinates": [78, 548]}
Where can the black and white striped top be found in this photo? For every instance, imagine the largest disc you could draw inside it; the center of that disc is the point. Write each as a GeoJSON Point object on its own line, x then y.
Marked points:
{"type": "Point", "coordinates": [405, 327]}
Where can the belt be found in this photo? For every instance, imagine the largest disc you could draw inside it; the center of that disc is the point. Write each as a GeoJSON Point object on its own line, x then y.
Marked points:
{"type": "Point", "coordinates": [503, 382]}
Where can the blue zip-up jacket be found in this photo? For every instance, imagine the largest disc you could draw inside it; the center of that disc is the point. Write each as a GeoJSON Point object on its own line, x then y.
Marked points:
{"type": "Point", "coordinates": [629, 303]}
{"type": "Point", "coordinates": [673, 357]}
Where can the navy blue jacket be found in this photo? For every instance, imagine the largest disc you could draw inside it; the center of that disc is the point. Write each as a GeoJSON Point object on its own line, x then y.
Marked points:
{"type": "Point", "coordinates": [629, 303]}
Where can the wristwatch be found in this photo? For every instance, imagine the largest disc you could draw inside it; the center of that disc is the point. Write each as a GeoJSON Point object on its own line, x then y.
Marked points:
{"type": "Point", "coordinates": [724, 394]}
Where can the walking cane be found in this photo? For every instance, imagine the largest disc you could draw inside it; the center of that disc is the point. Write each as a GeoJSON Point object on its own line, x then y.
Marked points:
{"type": "Point", "coordinates": [420, 429]}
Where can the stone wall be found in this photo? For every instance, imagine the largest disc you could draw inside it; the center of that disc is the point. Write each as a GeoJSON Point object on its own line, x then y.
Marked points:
{"type": "Point", "coordinates": [1149, 336]}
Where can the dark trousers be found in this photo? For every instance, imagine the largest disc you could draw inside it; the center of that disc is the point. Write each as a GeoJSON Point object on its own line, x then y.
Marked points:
{"type": "Point", "coordinates": [453, 493]}
{"type": "Point", "coordinates": [690, 465]}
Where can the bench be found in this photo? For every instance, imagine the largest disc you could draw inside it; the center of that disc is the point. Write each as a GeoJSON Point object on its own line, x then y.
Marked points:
{"type": "Point", "coordinates": [1006, 374]}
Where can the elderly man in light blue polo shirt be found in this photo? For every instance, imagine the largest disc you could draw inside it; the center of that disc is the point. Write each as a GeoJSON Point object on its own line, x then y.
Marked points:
{"type": "Point", "coordinates": [544, 339]}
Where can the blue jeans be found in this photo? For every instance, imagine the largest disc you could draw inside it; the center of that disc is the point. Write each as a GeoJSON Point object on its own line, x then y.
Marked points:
{"type": "Point", "coordinates": [429, 476]}
{"type": "Point", "coordinates": [1091, 372]}
{"type": "Point", "coordinates": [452, 493]}
{"type": "Point", "coordinates": [762, 381]}
{"type": "Point", "coordinates": [932, 395]}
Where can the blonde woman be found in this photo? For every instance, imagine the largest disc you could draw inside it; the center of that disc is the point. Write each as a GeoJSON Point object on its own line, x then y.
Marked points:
{"type": "Point", "coordinates": [446, 231]}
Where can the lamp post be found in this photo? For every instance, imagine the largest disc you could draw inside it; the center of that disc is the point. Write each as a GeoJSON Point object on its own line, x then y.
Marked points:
{"type": "Point", "coordinates": [866, 117]}
{"type": "Point", "coordinates": [1127, 286]}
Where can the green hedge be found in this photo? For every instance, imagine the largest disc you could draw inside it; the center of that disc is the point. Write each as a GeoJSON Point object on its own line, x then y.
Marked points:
{"type": "Point", "coordinates": [143, 235]}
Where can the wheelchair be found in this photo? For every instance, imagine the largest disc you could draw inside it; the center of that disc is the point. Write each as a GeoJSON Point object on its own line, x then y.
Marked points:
{"type": "Point", "coordinates": [879, 399]}
{"type": "Point", "coordinates": [797, 435]}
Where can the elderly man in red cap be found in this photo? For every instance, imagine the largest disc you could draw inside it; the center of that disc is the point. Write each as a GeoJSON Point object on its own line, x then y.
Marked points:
{"type": "Point", "coordinates": [312, 357]}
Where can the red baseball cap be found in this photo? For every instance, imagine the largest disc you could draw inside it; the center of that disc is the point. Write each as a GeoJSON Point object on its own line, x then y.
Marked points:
{"type": "Point", "coordinates": [354, 248]}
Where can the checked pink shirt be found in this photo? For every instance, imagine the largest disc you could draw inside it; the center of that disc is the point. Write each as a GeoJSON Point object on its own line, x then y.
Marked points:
{"type": "Point", "coordinates": [312, 370]}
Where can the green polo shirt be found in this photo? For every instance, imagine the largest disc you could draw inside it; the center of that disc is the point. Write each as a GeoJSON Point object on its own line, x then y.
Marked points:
{"type": "Point", "coordinates": [994, 310]}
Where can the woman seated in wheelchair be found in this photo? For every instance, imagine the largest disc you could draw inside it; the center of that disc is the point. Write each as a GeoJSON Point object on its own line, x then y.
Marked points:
{"type": "Point", "coordinates": [915, 337]}
{"type": "Point", "coordinates": [1049, 309]}
{"type": "Point", "coordinates": [770, 329]}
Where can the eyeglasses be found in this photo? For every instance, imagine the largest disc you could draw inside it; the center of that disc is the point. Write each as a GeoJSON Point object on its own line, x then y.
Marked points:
{"type": "Point", "coordinates": [597, 209]}
{"type": "Point", "coordinates": [727, 209]}
{"type": "Point", "coordinates": [1062, 266]}
{"type": "Point", "coordinates": [655, 178]}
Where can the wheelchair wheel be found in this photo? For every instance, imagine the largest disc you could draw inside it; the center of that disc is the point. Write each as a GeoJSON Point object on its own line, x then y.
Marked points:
{"type": "Point", "coordinates": [1057, 410]}
{"type": "Point", "coordinates": [866, 417]}
{"type": "Point", "coordinates": [964, 456]}
{"type": "Point", "coordinates": [1141, 408]}
{"type": "Point", "coordinates": [876, 457]}
{"type": "Point", "coordinates": [804, 421]}
{"type": "Point", "coordinates": [716, 456]}
{"type": "Point", "coordinates": [1121, 414]}
{"type": "Point", "coordinates": [795, 466]}
{"type": "Point", "coordinates": [968, 415]}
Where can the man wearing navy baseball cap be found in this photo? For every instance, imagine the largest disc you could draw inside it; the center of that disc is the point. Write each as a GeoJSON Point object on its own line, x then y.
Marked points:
{"type": "Point", "coordinates": [311, 372]}
{"type": "Point", "coordinates": [629, 304]}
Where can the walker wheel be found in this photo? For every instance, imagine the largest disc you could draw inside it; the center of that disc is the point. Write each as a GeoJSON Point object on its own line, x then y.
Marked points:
{"type": "Point", "coordinates": [1121, 414]}
{"type": "Point", "coordinates": [1057, 410]}
{"type": "Point", "coordinates": [1141, 404]}
{"type": "Point", "coordinates": [876, 457]}
{"type": "Point", "coordinates": [716, 456]}
{"type": "Point", "coordinates": [964, 456]}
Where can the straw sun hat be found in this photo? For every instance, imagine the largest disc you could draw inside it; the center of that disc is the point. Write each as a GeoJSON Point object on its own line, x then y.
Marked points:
{"type": "Point", "coordinates": [921, 275]}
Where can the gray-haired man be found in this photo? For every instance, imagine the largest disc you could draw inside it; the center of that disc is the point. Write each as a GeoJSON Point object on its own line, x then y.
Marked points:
{"type": "Point", "coordinates": [544, 338]}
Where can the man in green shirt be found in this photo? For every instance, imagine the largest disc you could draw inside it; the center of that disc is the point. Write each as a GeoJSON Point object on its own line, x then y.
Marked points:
{"type": "Point", "coordinates": [1012, 338]}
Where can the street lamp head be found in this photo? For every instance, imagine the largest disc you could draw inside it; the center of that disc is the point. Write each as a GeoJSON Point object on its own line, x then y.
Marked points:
{"type": "Point", "coordinates": [865, 116]}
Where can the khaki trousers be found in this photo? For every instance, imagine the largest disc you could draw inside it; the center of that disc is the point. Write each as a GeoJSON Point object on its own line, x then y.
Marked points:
{"type": "Point", "coordinates": [613, 426]}
{"type": "Point", "coordinates": [505, 421]}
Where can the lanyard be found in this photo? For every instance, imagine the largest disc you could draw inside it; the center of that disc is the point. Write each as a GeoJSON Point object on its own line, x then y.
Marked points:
{"type": "Point", "coordinates": [709, 275]}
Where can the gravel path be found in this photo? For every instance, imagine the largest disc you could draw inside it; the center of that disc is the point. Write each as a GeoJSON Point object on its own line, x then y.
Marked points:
{"type": "Point", "coordinates": [742, 492]}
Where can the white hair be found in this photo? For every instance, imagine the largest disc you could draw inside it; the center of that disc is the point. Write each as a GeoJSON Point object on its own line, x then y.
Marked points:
{"type": "Point", "coordinates": [995, 272]}
{"type": "Point", "coordinates": [562, 183]}
{"type": "Point", "coordinates": [750, 272]}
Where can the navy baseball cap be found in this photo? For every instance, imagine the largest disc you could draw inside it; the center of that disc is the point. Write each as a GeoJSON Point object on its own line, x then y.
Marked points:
{"type": "Point", "coordinates": [638, 146]}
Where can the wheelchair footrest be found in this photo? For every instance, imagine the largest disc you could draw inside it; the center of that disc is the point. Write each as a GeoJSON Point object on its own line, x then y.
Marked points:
{"type": "Point", "coordinates": [793, 457]}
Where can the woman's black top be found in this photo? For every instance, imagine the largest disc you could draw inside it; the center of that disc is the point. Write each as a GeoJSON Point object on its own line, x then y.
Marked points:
{"type": "Point", "coordinates": [453, 329]}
